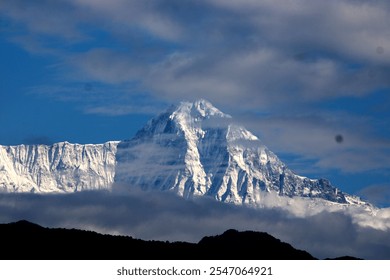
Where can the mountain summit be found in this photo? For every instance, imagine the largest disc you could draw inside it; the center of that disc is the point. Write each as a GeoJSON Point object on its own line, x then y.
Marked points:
{"type": "Point", "coordinates": [192, 149]}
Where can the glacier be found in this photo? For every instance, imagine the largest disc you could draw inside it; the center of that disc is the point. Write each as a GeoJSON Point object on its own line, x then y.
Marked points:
{"type": "Point", "coordinates": [193, 149]}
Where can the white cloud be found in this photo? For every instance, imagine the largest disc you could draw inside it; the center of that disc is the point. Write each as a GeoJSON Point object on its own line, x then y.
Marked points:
{"type": "Point", "coordinates": [252, 58]}
{"type": "Point", "coordinates": [42, 17]}
{"type": "Point", "coordinates": [353, 29]}
{"type": "Point", "coordinates": [120, 110]}
{"type": "Point", "coordinates": [379, 221]}
{"type": "Point", "coordinates": [130, 15]}
{"type": "Point", "coordinates": [280, 58]}
{"type": "Point", "coordinates": [163, 216]}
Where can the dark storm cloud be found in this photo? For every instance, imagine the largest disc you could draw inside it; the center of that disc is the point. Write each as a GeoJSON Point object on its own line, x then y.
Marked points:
{"type": "Point", "coordinates": [163, 216]}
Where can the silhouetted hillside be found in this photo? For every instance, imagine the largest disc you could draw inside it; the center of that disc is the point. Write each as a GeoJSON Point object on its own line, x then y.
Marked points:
{"type": "Point", "coordinates": [26, 240]}
{"type": "Point", "coordinates": [343, 258]}
{"type": "Point", "coordinates": [256, 245]}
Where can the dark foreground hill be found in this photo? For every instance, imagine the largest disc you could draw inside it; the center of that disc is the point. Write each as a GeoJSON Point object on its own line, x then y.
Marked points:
{"type": "Point", "coordinates": [26, 240]}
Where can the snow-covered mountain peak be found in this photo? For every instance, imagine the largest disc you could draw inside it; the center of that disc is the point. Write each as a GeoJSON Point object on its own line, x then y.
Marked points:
{"type": "Point", "coordinates": [189, 117]}
{"type": "Point", "coordinates": [207, 110]}
{"type": "Point", "coordinates": [192, 149]}
{"type": "Point", "coordinates": [198, 110]}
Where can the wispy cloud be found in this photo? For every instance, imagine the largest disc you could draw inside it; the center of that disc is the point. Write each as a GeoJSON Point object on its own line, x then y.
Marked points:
{"type": "Point", "coordinates": [121, 110]}
{"type": "Point", "coordinates": [378, 194]}
{"type": "Point", "coordinates": [280, 58]}
{"type": "Point", "coordinates": [248, 51]}
{"type": "Point", "coordinates": [136, 163]}
{"type": "Point", "coordinates": [100, 99]}
{"type": "Point", "coordinates": [313, 137]}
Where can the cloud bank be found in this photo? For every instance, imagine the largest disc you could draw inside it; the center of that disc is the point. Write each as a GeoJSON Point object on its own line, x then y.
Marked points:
{"type": "Point", "coordinates": [164, 216]}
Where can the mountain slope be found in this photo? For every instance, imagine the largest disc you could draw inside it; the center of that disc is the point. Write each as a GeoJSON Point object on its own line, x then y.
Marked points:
{"type": "Point", "coordinates": [195, 150]}
{"type": "Point", "coordinates": [62, 167]}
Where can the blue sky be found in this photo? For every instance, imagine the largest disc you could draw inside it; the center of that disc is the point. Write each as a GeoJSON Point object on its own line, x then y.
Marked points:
{"type": "Point", "coordinates": [295, 73]}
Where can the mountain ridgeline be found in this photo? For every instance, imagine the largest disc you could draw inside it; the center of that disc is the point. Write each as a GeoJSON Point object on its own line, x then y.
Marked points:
{"type": "Point", "coordinates": [192, 149]}
{"type": "Point", "coordinates": [33, 242]}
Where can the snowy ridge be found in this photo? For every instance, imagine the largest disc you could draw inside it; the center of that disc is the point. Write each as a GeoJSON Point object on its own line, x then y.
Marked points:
{"type": "Point", "coordinates": [62, 167]}
{"type": "Point", "coordinates": [192, 149]}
